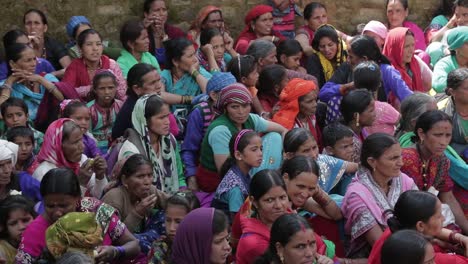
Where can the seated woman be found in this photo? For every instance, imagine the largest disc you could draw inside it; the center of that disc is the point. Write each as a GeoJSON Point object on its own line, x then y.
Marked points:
{"type": "Point", "coordinates": [233, 109]}
{"type": "Point", "coordinates": [63, 147]}
{"type": "Point", "coordinates": [61, 187]}
{"type": "Point", "coordinates": [379, 177]}
{"type": "Point", "coordinates": [134, 39]}
{"type": "Point", "coordinates": [138, 202]}
{"type": "Point", "coordinates": [151, 137]}
{"type": "Point", "coordinates": [407, 247]}
{"type": "Point", "coordinates": [258, 25]}
{"type": "Point", "coordinates": [176, 208]}
{"type": "Point", "coordinates": [23, 83]}
{"type": "Point", "coordinates": [422, 212]}
{"type": "Point", "coordinates": [426, 163]}
{"type": "Point", "coordinates": [330, 54]}
{"type": "Point", "coordinates": [80, 73]}
{"type": "Point", "coordinates": [443, 20]}
{"type": "Point", "coordinates": [376, 30]}
{"type": "Point", "coordinates": [271, 81]}
{"type": "Point", "coordinates": [289, 54]}
{"type": "Point", "coordinates": [207, 243]}
{"type": "Point", "coordinates": [212, 52]}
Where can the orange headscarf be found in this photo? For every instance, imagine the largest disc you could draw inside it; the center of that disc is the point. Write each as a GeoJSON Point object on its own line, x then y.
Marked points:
{"type": "Point", "coordinates": [289, 101]}
{"type": "Point", "coordinates": [202, 15]}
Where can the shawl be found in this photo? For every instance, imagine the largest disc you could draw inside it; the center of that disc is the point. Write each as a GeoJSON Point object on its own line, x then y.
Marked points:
{"type": "Point", "coordinates": [393, 49]}
{"type": "Point", "coordinates": [202, 16]}
{"type": "Point", "coordinates": [7, 251]}
{"type": "Point", "coordinates": [204, 61]}
{"type": "Point", "coordinates": [193, 245]}
{"type": "Point", "coordinates": [289, 101]}
{"type": "Point", "coordinates": [51, 149]}
{"type": "Point", "coordinates": [340, 57]}
{"type": "Point", "coordinates": [457, 37]}
{"type": "Point", "coordinates": [234, 178]}
{"type": "Point", "coordinates": [8, 150]}
{"type": "Point", "coordinates": [165, 177]}
{"type": "Point", "coordinates": [234, 93]}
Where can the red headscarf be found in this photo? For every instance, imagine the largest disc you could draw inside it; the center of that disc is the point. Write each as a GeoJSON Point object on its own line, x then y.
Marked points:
{"type": "Point", "coordinates": [289, 101]}
{"type": "Point", "coordinates": [393, 49]}
{"type": "Point", "coordinates": [254, 13]}
{"type": "Point", "coordinates": [202, 15]}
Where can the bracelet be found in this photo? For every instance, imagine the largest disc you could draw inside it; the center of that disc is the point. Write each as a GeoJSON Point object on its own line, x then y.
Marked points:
{"type": "Point", "coordinates": [272, 38]}
{"type": "Point", "coordinates": [452, 237]}
{"type": "Point", "coordinates": [121, 251]}
{"type": "Point", "coordinates": [214, 70]}
{"type": "Point", "coordinates": [188, 99]}
{"type": "Point", "coordinates": [6, 86]}
{"type": "Point", "coordinates": [53, 89]}
{"type": "Point", "coordinates": [322, 199]}
{"type": "Point", "coordinates": [195, 73]}
{"type": "Point", "coordinates": [4, 96]}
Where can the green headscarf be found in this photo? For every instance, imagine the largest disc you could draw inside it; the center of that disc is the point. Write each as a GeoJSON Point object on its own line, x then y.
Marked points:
{"type": "Point", "coordinates": [457, 37]}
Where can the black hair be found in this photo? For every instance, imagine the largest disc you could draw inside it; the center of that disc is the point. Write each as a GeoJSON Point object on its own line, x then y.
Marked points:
{"type": "Point", "coordinates": [367, 75]}
{"type": "Point", "coordinates": [11, 36]}
{"type": "Point", "coordinates": [446, 8]}
{"type": "Point", "coordinates": [153, 106]}
{"type": "Point", "coordinates": [365, 46]}
{"type": "Point", "coordinates": [355, 101]}
{"type": "Point", "coordinates": [83, 35]}
{"type": "Point", "coordinates": [427, 120]}
{"type": "Point", "coordinates": [269, 77]}
{"type": "Point", "coordinates": [246, 66]}
{"type": "Point", "coordinates": [13, 53]}
{"type": "Point", "coordinates": [456, 78]}
{"type": "Point", "coordinates": [335, 132]}
{"type": "Point", "coordinates": [309, 9]}
{"type": "Point", "coordinates": [404, 3]}
{"type": "Point", "coordinates": [130, 31]}
{"type": "Point", "coordinates": [77, 26]}
{"type": "Point", "coordinates": [411, 108]}
{"type": "Point", "coordinates": [322, 32]}
{"type": "Point", "coordinates": [13, 101]}
{"type": "Point", "coordinates": [462, 3]}
{"type": "Point", "coordinates": [175, 49]}
{"type": "Point", "coordinates": [298, 165]}
{"type": "Point", "coordinates": [374, 146]}
{"type": "Point", "coordinates": [71, 107]}
{"type": "Point", "coordinates": [60, 181]}
{"type": "Point", "coordinates": [135, 77]}
{"type": "Point", "coordinates": [411, 207]}
{"type": "Point", "coordinates": [404, 247]}
{"type": "Point", "coordinates": [68, 128]}
{"type": "Point", "coordinates": [207, 34]}
{"type": "Point", "coordinates": [97, 78]}
{"type": "Point", "coordinates": [289, 47]}
{"type": "Point", "coordinates": [74, 257]}
{"type": "Point", "coordinates": [186, 199]}
{"type": "Point", "coordinates": [20, 131]}
{"type": "Point", "coordinates": [12, 203]}
{"type": "Point", "coordinates": [37, 11]}
{"type": "Point", "coordinates": [242, 143]}
{"type": "Point", "coordinates": [147, 5]}
{"type": "Point", "coordinates": [263, 181]}
{"type": "Point", "coordinates": [132, 165]}
{"type": "Point", "coordinates": [220, 222]}
{"type": "Point", "coordinates": [294, 139]}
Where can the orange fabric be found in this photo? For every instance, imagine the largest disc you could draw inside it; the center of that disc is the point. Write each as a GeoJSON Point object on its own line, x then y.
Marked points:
{"type": "Point", "coordinates": [253, 91]}
{"type": "Point", "coordinates": [289, 101]}
{"type": "Point", "coordinates": [202, 15]}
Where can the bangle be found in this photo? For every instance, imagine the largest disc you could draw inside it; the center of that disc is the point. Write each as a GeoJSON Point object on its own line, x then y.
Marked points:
{"type": "Point", "coordinates": [214, 70]}
{"type": "Point", "coordinates": [263, 114]}
{"type": "Point", "coordinates": [452, 237]}
{"type": "Point", "coordinates": [195, 73]}
{"type": "Point", "coordinates": [322, 198]}
{"type": "Point", "coordinates": [4, 96]}
{"type": "Point", "coordinates": [121, 251]}
{"type": "Point", "coordinates": [53, 89]}
{"type": "Point", "coordinates": [6, 86]}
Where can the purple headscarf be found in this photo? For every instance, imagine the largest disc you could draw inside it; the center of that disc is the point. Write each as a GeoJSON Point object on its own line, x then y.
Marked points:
{"type": "Point", "coordinates": [192, 243]}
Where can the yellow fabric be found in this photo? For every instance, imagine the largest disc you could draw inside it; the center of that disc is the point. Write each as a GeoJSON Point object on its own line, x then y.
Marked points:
{"type": "Point", "coordinates": [327, 66]}
{"type": "Point", "coordinates": [7, 251]}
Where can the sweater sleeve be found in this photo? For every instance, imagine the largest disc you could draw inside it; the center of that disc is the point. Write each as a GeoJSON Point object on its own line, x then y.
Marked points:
{"type": "Point", "coordinates": [332, 87]}
{"type": "Point", "coordinates": [439, 76]}
{"type": "Point", "coordinates": [394, 83]}
{"type": "Point", "coordinates": [192, 142]}
{"type": "Point", "coordinates": [242, 45]}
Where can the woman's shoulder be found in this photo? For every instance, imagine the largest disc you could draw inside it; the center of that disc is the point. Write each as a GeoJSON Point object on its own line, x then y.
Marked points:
{"type": "Point", "coordinates": [42, 169]}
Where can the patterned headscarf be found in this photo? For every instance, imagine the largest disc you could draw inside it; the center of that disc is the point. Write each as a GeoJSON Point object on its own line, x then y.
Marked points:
{"type": "Point", "coordinates": [234, 93]}
{"type": "Point", "coordinates": [8, 150]}
{"type": "Point", "coordinates": [74, 22]}
{"type": "Point", "coordinates": [289, 101]}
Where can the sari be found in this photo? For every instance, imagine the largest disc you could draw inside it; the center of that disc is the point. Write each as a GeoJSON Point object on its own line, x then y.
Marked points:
{"type": "Point", "coordinates": [7, 251]}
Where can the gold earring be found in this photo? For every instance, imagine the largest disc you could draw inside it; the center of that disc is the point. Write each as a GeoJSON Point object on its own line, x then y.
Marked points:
{"type": "Point", "coordinates": [357, 119]}
{"type": "Point", "coordinates": [282, 259]}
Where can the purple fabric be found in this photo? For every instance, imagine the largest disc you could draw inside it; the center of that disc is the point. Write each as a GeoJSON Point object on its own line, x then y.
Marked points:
{"type": "Point", "coordinates": [30, 187]}
{"type": "Point", "coordinates": [42, 66]}
{"type": "Point", "coordinates": [192, 142]}
{"type": "Point", "coordinates": [192, 243]}
{"type": "Point", "coordinates": [90, 148]}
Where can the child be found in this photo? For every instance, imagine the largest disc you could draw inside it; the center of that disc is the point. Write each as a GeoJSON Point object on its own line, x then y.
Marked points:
{"type": "Point", "coordinates": [245, 148]}
{"type": "Point", "coordinates": [16, 213]}
{"type": "Point", "coordinates": [78, 111]}
{"type": "Point", "coordinates": [103, 108]}
{"type": "Point", "coordinates": [177, 207]}
{"type": "Point", "coordinates": [271, 81]}
{"type": "Point", "coordinates": [24, 138]}
{"type": "Point", "coordinates": [15, 113]}
{"type": "Point", "coordinates": [284, 13]}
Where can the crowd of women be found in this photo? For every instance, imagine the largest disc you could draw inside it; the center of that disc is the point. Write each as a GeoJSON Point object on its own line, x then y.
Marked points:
{"type": "Point", "coordinates": [283, 144]}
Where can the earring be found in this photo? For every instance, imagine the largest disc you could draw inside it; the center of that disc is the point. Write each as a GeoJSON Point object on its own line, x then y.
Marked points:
{"type": "Point", "coordinates": [357, 119]}
{"type": "Point", "coordinates": [282, 259]}
{"type": "Point", "coordinates": [373, 168]}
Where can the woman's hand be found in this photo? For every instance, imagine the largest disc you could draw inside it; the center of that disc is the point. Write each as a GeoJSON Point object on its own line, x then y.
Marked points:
{"type": "Point", "coordinates": [105, 254]}
{"type": "Point", "coordinates": [35, 40]}
{"type": "Point", "coordinates": [86, 171]}
{"type": "Point", "coordinates": [463, 240]}
{"type": "Point", "coordinates": [100, 167]}
{"type": "Point", "coordinates": [145, 204]}
{"type": "Point", "coordinates": [323, 260]}
{"type": "Point", "coordinates": [194, 67]}
{"type": "Point", "coordinates": [228, 42]}
{"type": "Point", "coordinates": [207, 49]}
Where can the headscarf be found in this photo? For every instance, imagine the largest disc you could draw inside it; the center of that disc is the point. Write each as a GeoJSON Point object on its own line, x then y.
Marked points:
{"type": "Point", "coordinates": [436, 51]}
{"type": "Point", "coordinates": [393, 49]}
{"type": "Point", "coordinates": [166, 181]}
{"type": "Point", "coordinates": [376, 27]}
{"type": "Point", "coordinates": [234, 93]}
{"type": "Point", "coordinates": [202, 15]}
{"type": "Point", "coordinates": [8, 150]}
{"type": "Point", "coordinates": [51, 149]}
{"type": "Point", "coordinates": [76, 231]}
{"type": "Point", "coordinates": [289, 101]}
{"type": "Point", "coordinates": [74, 22]}
{"type": "Point", "coordinates": [253, 14]}
{"type": "Point", "coordinates": [193, 245]}
{"type": "Point", "coordinates": [217, 82]}
{"type": "Point", "coordinates": [457, 37]}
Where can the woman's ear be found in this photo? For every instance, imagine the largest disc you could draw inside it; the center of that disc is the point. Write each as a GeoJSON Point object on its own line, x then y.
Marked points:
{"type": "Point", "coordinates": [238, 155]}
{"type": "Point", "coordinates": [286, 177]}
{"type": "Point", "coordinates": [329, 150]}
{"type": "Point", "coordinates": [282, 58]}
{"type": "Point", "coordinates": [288, 155]}
{"type": "Point", "coordinates": [279, 250]}
{"type": "Point", "coordinates": [130, 44]}
{"type": "Point", "coordinates": [371, 161]}
{"type": "Point", "coordinates": [421, 134]}
{"type": "Point", "coordinates": [420, 226]}
{"type": "Point", "coordinates": [214, 96]}
{"type": "Point", "coordinates": [12, 64]}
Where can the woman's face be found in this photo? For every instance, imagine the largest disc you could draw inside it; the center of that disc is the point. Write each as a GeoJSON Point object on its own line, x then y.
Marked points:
{"type": "Point", "coordinates": [354, 59]}
{"type": "Point", "coordinates": [436, 139]}
{"type": "Point", "coordinates": [92, 48]}
{"type": "Point", "coordinates": [159, 123]}
{"type": "Point", "coordinates": [57, 205]}
{"type": "Point", "coordinates": [17, 222]}
{"type": "Point", "coordinates": [389, 163]}
{"type": "Point", "coordinates": [6, 168]}
{"type": "Point", "coordinates": [72, 145]}
{"type": "Point", "coordinates": [151, 84]}
{"type": "Point", "coordinates": [396, 13]}
{"type": "Point", "coordinates": [367, 117]}
{"type": "Point", "coordinates": [301, 248]}
{"type": "Point", "coordinates": [174, 216]}
{"type": "Point", "coordinates": [319, 17]}
{"type": "Point", "coordinates": [105, 91]}
{"type": "Point", "coordinates": [26, 62]}
{"type": "Point", "coordinates": [460, 95]}
{"type": "Point", "coordinates": [139, 183]}
{"type": "Point", "coordinates": [81, 116]}
{"type": "Point", "coordinates": [308, 104]}
{"type": "Point", "coordinates": [213, 20]}
{"type": "Point", "coordinates": [308, 149]}
{"type": "Point", "coordinates": [292, 62]}
{"type": "Point", "coordinates": [34, 26]}
{"type": "Point", "coordinates": [220, 248]}
{"type": "Point", "coordinates": [141, 44]}
{"type": "Point", "coordinates": [328, 48]}
{"type": "Point", "coordinates": [158, 9]}
{"type": "Point", "coordinates": [272, 205]}
{"type": "Point", "coordinates": [408, 49]}
{"type": "Point", "coordinates": [251, 79]}
{"type": "Point", "coordinates": [263, 25]}
{"type": "Point", "coordinates": [301, 188]}
{"type": "Point", "coordinates": [433, 226]}
{"type": "Point", "coordinates": [238, 113]}
{"type": "Point", "coordinates": [269, 59]}
{"type": "Point", "coordinates": [217, 42]}
{"type": "Point", "coordinates": [187, 59]}
{"type": "Point", "coordinates": [252, 153]}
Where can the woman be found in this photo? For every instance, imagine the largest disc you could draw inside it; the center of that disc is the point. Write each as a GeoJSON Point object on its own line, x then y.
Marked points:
{"type": "Point", "coordinates": [155, 21]}
{"type": "Point", "coordinates": [212, 52]}
{"type": "Point", "coordinates": [74, 27]}
{"type": "Point", "coordinates": [80, 73]}
{"type": "Point", "coordinates": [374, 190]}
{"type": "Point", "coordinates": [443, 20]}
{"type": "Point", "coordinates": [407, 247]}
{"type": "Point", "coordinates": [399, 49]}
{"type": "Point", "coordinates": [23, 83]}
{"type": "Point", "coordinates": [63, 147]}
{"type": "Point", "coordinates": [233, 109]}
{"type": "Point", "coordinates": [315, 15]}
{"type": "Point", "coordinates": [134, 39]}
{"type": "Point", "coordinates": [36, 26]}
{"type": "Point", "coordinates": [426, 163]}
{"type": "Point", "coordinates": [457, 41]}
{"type": "Point", "coordinates": [330, 53]}
{"type": "Point", "coordinates": [202, 237]}
{"type": "Point", "coordinates": [289, 54]}
{"type": "Point", "coordinates": [376, 30]}
{"type": "Point", "coordinates": [397, 12]}
{"type": "Point", "coordinates": [287, 232]}
{"type": "Point", "coordinates": [271, 81]}
{"type": "Point", "coordinates": [422, 212]}
{"type": "Point", "coordinates": [62, 195]}
{"type": "Point", "coordinates": [151, 137]}
{"type": "Point", "coordinates": [258, 25]}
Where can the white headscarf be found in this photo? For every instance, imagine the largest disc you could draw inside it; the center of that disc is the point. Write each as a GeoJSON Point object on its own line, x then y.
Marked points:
{"type": "Point", "coordinates": [8, 150]}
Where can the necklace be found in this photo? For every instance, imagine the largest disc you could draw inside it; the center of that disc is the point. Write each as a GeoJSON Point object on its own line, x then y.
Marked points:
{"type": "Point", "coordinates": [424, 169]}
